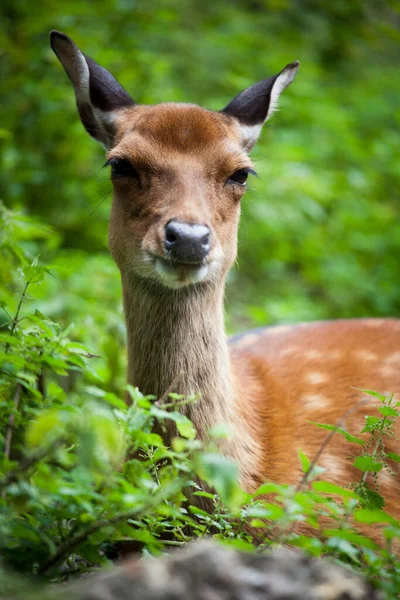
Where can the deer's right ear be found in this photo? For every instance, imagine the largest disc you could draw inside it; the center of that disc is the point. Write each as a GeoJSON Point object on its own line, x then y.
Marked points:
{"type": "Point", "coordinates": [256, 104]}
{"type": "Point", "coordinates": [98, 94]}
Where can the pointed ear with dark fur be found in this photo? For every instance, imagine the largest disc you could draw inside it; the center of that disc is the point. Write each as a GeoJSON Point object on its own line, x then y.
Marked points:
{"type": "Point", "coordinates": [256, 104]}
{"type": "Point", "coordinates": [98, 94]}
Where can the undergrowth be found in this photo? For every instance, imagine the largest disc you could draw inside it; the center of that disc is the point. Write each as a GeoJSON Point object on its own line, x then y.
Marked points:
{"type": "Point", "coordinates": [81, 471]}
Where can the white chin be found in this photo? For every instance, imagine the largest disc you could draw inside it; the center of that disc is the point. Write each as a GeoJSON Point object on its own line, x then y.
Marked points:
{"type": "Point", "coordinates": [177, 276]}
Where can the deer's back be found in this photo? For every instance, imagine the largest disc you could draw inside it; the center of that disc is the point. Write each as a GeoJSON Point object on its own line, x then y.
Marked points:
{"type": "Point", "coordinates": [289, 375]}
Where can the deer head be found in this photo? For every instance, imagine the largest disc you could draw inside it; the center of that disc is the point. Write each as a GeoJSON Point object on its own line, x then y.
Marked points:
{"type": "Point", "coordinates": [178, 171]}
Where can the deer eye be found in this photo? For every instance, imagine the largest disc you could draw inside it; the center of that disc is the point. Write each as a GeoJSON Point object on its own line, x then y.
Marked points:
{"type": "Point", "coordinates": [120, 167]}
{"type": "Point", "coordinates": [240, 176]}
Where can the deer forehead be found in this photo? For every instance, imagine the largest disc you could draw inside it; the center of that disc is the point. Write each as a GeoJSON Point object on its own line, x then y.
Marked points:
{"type": "Point", "coordinates": [172, 132]}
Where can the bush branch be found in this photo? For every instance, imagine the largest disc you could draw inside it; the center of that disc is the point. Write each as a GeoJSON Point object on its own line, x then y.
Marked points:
{"type": "Point", "coordinates": [10, 424]}
{"type": "Point", "coordinates": [67, 547]}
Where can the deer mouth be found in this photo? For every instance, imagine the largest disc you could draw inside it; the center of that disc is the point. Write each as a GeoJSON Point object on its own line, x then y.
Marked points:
{"type": "Point", "coordinates": [178, 274]}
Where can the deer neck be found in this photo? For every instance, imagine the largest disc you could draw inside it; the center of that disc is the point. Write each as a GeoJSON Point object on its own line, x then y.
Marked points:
{"type": "Point", "coordinates": [177, 343]}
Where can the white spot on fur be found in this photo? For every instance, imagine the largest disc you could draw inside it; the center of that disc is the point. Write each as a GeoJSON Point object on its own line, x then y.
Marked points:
{"type": "Point", "coordinates": [333, 466]}
{"type": "Point", "coordinates": [289, 350]}
{"type": "Point", "coordinates": [366, 355]}
{"type": "Point", "coordinates": [312, 354]}
{"type": "Point", "coordinates": [334, 355]}
{"type": "Point", "coordinates": [388, 371]}
{"type": "Point", "coordinates": [314, 401]}
{"type": "Point", "coordinates": [374, 322]}
{"type": "Point", "coordinates": [393, 358]}
{"type": "Point", "coordinates": [315, 377]}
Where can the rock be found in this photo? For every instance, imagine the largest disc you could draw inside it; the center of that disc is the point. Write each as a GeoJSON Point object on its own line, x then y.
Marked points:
{"type": "Point", "coordinates": [207, 571]}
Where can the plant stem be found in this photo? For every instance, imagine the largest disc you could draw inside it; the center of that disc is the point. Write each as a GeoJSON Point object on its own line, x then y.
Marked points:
{"type": "Point", "coordinates": [16, 316]}
{"type": "Point", "coordinates": [340, 424]}
{"type": "Point", "coordinates": [10, 424]}
{"type": "Point", "coordinates": [378, 442]}
{"type": "Point", "coordinates": [172, 387]}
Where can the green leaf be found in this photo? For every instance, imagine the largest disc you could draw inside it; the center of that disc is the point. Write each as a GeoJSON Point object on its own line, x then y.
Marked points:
{"type": "Point", "coordinates": [109, 437]}
{"type": "Point", "coordinates": [186, 429]}
{"type": "Point", "coordinates": [394, 456]}
{"type": "Point", "coordinates": [311, 545]}
{"type": "Point", "coordinates": [204, 495]}
{"type": "Point", "coordinates": [369, 498]}
{"type": "Point", "coordinates": [305, 462]}
{"type": "Point", "coordinates": [387, 411]}
{"type": "Point", "coordinates": [270, 488]}
{"type": "Point", "coordinates": [330, 488]}
{"type": "Point", "coordinates": [175, 396]}
{"type": "Point", "coordinates": [371, 424]}
{"type": "Point", "coordinates": [45, 428]}
{"type": "Point", "coordinates": [348, 436]}
{"type": "Point", "coordinates": [221, 431]}
{"type": "Point", "coordinates": [265, 510]}
{"type": "Point", "coordinates": [381, 397]}
{"type": "Point", "coordinates": [368, 463]}
{"type": "Point", "coordinates": [220, 473]}
{"type": "Point", "coordinates": [350, 536]}
{"type": "Point", "coordinates": [365, 515]}
{"type": "Point", "coordinates": [142, 535]}
{"type": "Point", "coordinates": [9, 340]}
{"type": "Point", "coordinates": [199, 511]}
{"type": "Point", "coordinates": [153, 439]}
{"type": "Point", "coordinates": [238, 544]}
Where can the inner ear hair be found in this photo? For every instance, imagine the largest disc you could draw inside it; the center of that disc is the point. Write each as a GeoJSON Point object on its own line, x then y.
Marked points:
{"type": "Point", "coordinates": [255, 105]}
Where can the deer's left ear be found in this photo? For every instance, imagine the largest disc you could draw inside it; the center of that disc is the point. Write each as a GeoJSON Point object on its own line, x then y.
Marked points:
{"type": "Point", "coordinates": [256, 104]}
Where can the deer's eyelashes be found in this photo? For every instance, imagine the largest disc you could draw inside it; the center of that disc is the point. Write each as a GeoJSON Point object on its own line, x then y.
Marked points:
{"type": "Point", "coordinates": [122, 168]}
{"type": "Point", "coordinates": [240, 176]}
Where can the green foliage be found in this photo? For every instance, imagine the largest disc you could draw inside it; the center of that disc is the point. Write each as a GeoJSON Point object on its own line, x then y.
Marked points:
{"type": "Point", "coordinates": [82, 472]}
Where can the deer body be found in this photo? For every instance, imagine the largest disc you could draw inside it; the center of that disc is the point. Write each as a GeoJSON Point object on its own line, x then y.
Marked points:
{"type": "Point", "coordinates": [178, 173]}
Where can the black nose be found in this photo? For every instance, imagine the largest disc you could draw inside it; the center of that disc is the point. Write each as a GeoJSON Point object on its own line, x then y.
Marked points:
{"type": "Point", "coordinates": [187, 243]}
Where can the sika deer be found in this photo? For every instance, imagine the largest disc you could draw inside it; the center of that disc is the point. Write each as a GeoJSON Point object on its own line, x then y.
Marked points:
{"type": "Point", "coordinates": [179, 172]}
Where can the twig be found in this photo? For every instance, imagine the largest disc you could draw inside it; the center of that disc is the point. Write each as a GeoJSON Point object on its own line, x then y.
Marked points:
{"type": "Point", "coordinates": [10, 424]}
{"type": "Point", "coordinates": [172, 543]}
{"type": "Point", "coordinates": [41, 383]}
{"type": "Point", "coordinates": [67, 547]}
{"type": "Point", "coordinates": [16, 316]}
{"type": "Point", "coordinates": [170, 388]}
{"type": "Point", "coordinates": [378, 442]}
{"type": "Point", "coordinates": [339, 424]}
{"type": "Point", "coordinates": [8, 315]}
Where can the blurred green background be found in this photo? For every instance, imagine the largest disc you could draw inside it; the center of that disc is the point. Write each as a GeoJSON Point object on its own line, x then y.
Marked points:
{"type": "Point", "coordinates": [319, 236]}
